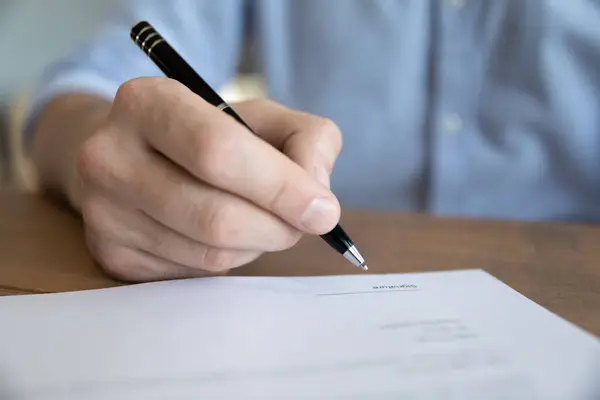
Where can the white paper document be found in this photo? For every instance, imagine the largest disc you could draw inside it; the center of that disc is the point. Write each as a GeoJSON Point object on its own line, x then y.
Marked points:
{"type": "Point", "coordinates": [447, 335]}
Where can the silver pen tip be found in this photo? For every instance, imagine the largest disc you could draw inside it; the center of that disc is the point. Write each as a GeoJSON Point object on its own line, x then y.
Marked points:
{"type": "Point", "coordinates": [364, 267]}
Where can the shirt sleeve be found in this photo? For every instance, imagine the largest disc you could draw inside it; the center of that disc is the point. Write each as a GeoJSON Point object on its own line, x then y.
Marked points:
{"type": "Point", "coordinates": [207, 33]}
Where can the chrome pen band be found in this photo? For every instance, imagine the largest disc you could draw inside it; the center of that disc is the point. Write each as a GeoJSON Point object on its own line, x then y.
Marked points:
{"type": "Point", "coordinates": [144, 29]}
{"type": "Point", "coordinates": [149, 51]}
{"type": "Point", "coordinates": [150, 36]}
{"type": "Point", "coordinates": [222, 106]}
{"type": "Point", "coordinates": [354, 256]}
{"type": "Point", "coordinates": [147, 39]}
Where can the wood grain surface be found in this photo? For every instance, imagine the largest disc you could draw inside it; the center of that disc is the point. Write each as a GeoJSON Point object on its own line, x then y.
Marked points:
{"type": "Point", "coordinates": [42, 249]}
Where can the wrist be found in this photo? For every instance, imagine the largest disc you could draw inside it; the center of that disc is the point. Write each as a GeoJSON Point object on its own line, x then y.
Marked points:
{"type": "Point", "coordinates": [62, 128]}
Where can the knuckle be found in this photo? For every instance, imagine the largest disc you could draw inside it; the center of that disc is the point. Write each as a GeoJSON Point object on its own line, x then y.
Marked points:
{"type": "Point", "coordinates": [140, 104]}
{"type": "Point", "coordinates": [214, 222]}
{"type": "Point", "coordinates": [326, 125]}
{"type": "Point", "coordinates": [282, 237]}
{"type": "Point", "coordinates": [280, 195]}
{"type": "Point", "coordinates": [129, 93]}
{"type": "Point", "coordinates": [216, 259]}
{"type": "Point", "coordinates": [211, 152]}
{"type": "Point", "coordinates": [167, 86]}
{"type": "Point", "coordinates": [133, 92]}
{"type": "Point", "coordinates": [331, 131]}
{"type": "Point", "coordinates": [98, 162]}
{"type": "Point", "coordinates": [291, 238]}
{"type": "Point", "coordinates": [136, 93]}
{"type": "Point", "coordinates": [117, 261]}
{"type": "Point", "coordinates": [158, 242]}
{"type": "Point", "coordinates": [92, 157]}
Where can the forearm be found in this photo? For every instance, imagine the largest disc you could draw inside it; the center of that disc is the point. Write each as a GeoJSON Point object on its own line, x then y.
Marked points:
{"type": "Point", "coordinates": [60, 130]}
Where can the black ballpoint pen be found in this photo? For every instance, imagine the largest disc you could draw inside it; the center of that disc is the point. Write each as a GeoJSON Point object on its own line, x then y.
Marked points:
{"type": "Point", "coordinates": [175, 67]}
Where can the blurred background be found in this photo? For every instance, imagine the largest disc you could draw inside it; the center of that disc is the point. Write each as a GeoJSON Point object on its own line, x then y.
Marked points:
{"type": "Point", "coordinates": [24, 55]}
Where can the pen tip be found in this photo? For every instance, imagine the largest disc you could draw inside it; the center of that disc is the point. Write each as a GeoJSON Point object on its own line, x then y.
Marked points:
{"type": "Point", "coordinates": [365, 267]}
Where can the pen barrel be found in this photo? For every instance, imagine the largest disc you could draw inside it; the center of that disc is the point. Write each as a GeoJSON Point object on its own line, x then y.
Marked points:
{"type": "Point", "coordinates": [171, 63]}
{"type": "Point", "coordinates": [175, 67]}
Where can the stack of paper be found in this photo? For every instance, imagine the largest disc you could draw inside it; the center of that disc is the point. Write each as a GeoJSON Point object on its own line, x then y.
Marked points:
{"type": "Point", "coordinates": [448, 335]}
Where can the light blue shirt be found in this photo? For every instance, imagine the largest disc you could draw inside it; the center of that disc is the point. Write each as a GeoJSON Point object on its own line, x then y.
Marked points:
{"type": "Point", "coordinates": [480, 108]}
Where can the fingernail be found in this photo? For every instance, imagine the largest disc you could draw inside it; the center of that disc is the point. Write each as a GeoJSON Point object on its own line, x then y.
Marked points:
{"type": "Point", "coordinates": [320, 215]}
{"type": "Point", "coordinates": [322, 176]}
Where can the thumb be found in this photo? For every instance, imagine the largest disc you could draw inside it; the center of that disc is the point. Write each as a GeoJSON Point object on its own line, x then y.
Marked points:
{"type": "Point", "coordinates": [310, 141]}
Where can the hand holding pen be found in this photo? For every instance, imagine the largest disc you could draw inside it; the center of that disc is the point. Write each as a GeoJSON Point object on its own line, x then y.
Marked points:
{"type": "Point", "coordinates": [312, 143]}
{"type": "Point", "coordinates": [174, 187]}
{"type": "Point", "coordinates": [172, 183]}
{"type": "Point", "coordinates": [171, 186]}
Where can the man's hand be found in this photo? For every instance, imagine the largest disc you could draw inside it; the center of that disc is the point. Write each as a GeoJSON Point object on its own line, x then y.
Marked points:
{"type": "Point", "coordinates": [172, 187]}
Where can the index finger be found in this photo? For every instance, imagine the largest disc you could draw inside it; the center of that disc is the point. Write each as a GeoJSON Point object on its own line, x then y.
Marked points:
{"type": "Point", "coordinates": [311, 141]}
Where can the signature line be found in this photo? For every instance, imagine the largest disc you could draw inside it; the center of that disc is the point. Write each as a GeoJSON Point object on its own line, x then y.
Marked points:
{"type": "Point", "coordinates": [368, 292]}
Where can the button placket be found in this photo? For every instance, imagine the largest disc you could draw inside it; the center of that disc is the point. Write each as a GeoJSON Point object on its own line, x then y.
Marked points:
{"type": "Point", "coordinates": [454, 55]}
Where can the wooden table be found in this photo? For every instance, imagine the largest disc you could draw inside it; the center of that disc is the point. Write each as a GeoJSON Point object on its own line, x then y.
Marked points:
{"type": "Point", "coordinates": [558, 266]}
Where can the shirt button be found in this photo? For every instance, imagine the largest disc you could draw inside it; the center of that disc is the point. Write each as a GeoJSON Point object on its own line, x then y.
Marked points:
{"type": "Point", "coordinates": [452, 123]}
{"type": "Point", "coordinates": [457, 3]}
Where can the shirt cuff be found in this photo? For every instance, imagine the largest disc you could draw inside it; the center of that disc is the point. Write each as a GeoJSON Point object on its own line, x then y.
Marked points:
{"type": "Point", "coordinates": [74, 82]}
